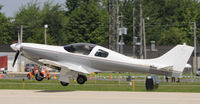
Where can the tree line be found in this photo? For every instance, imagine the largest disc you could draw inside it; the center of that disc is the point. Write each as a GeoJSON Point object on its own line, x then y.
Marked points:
{"type": "Point", "coordinates": [169, 22]}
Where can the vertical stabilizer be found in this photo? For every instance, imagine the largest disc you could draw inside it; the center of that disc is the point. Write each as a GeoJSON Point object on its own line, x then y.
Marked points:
{"type": "Point", "coordinates": [176, 57]}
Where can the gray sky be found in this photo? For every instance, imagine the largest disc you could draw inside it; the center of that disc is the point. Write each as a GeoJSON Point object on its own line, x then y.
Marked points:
{"type": "Point", "coordinates": [10, 7]}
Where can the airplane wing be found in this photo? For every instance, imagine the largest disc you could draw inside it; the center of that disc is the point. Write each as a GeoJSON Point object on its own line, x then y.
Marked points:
{"type": "Point", "coordinates": [69, 66]}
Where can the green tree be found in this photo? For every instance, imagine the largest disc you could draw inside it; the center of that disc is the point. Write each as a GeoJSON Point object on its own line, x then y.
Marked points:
{"type": "Point", "coordinates": [173, 36]}
{"type": "Point", "coordinates": [33, 18]}
{"type": "Point", "coordinates": [87, 24]}
{"type": "Point", "coordinates": [5, 29]}
{"type": "Point", "coordinates": [29, 17]}
{"type": "Point", "coordinates": [71, 5]}
{"type": "Point", "coordinates": [54, 16]}
{"type": "Point", "coordinates": [87, 20]}
{"type": "Point", "coordinates": [165, 14]}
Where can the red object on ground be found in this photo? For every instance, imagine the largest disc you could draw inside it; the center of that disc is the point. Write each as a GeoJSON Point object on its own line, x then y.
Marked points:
{"type": "Point", "coordinates": [110, 76]}
{"type": "Point", "coordinates": [3, 61]}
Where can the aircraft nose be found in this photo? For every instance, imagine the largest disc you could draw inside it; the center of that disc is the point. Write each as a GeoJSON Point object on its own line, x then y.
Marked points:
{"type": "Point", "coordinates": [15, 46]}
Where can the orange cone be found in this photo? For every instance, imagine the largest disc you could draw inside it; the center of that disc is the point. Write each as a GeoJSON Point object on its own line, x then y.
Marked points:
{"type": "Point", "coordinates": [110, 76]}
{"type": "Point", "coordinates": [0, 76]}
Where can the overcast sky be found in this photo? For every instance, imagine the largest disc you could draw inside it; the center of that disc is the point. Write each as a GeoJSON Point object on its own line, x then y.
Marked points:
{"type": "Point", "coordinates": [10, 7]}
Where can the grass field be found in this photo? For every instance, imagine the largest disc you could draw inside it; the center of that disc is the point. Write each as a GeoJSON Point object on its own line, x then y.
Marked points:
{"type": "Point", "coordinates": [97, 86]}
{"type": "Point", "coordinates": [139, 75]}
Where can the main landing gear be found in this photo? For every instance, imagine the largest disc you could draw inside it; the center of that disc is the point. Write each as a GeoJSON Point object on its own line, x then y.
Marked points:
{"type": "Point", "coordinates": [64, 83]}
{"type": "Point", "coordinates": [81, 79]}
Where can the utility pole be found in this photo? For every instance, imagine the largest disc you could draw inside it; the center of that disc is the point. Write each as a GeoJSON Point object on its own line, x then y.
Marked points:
{"type": "Point", "coordinates": [120, 34]}
{"type": "Point", "coordinates": [18, 30]}
{"type": "Point", "coordinates": [121, 44]}
{"type": "Point", "coordinates": [118, 23]}
{"type": "Point", "coordinates": [195, 49]}
{"type": "Point", "coordinates": [134, 28]}
{"type": "Point", "coordinates": [20, 41]}
{"type": "Point", "coordinates": [121, 31]}
{"type": "Point", "coordinates": [113, 25]}
{"type": "Point", "coordinates": [45, 33]}
{"type": "Point", "coordinates": [138, 39]}
{"type": "Point", "coordinates": [144, 40]}
{"type": "Point", "coordinates": [21, 33]}
{"type": "Point", "coordinates": [140, 33]}
{"type": "Point", "coordinates": [110, 10]}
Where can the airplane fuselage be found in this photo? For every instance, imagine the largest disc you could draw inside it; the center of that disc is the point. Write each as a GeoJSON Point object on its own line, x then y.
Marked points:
{"type": "Point", "coordinates": [115, 62]}
{"type": "Point", "coordinates": [79, 58]}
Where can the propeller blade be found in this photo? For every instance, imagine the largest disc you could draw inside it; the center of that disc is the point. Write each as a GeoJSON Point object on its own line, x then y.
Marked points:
{"type": "Point", "coordinates": [16, 55]}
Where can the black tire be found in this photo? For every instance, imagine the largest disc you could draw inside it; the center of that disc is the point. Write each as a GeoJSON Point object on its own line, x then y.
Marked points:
{"type": "Point", "coordinates": [28, 76]}
{"type": "Point", "coordinates": [40, 77]}
{"type": "Point", "coordinates": [64, 83]}
{"type": "Point", "coordinates": [81, 79]}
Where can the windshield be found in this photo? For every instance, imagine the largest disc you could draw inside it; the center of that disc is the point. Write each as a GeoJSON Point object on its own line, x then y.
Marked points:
{"type": "Point", "coordinates": [80, 48]}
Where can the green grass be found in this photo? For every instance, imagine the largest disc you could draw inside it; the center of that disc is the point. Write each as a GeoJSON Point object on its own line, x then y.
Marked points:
{"type": "Point", "coordinates": [137, 75]}
{"type": "Point", "coordinates": [92, 85]}
{"type": "Point", "coordinates": [121, 74]}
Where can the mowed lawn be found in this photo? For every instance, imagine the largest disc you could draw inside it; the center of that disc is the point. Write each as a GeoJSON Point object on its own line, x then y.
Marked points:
{"type": "Point", "coordinates": [99, 85]}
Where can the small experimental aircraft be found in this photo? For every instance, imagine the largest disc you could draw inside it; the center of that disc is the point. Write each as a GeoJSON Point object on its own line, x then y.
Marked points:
{"type": "Point", "coordinates": [75, 60]}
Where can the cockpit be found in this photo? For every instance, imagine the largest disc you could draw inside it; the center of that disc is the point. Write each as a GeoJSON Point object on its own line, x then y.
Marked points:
{"type": "Point", "coordinates": [80, 48]}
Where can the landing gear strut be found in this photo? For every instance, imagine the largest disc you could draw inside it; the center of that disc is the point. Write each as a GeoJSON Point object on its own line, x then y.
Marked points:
{"type": "Point", "coordinates": [81, 79]}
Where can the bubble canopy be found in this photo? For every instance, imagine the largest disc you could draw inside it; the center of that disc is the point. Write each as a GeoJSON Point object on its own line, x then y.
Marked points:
{"type": "Point", "coordinates": [80, 48]}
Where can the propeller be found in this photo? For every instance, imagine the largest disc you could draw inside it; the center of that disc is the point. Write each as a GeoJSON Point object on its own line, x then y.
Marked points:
{"type": "Point", "coordinates": [16, 56]}
{"type": "Point", "coordinates": [19, 43]}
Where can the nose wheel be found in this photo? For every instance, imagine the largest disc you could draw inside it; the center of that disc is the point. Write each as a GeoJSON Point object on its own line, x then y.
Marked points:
{"type": "Point", "coordinates": [39, 76]}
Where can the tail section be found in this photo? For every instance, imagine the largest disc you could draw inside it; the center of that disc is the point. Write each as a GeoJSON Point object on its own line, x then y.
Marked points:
{"type": "Point", "coordinates": [173, 62]}
{"type": "Point", "coordinates": [176, 58]}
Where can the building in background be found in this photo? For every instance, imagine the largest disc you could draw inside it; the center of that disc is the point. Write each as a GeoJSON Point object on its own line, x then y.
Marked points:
{"type": "Point", "coordinates": [3, 62]}
{"type": "Point", "coordinates": [6, 50]}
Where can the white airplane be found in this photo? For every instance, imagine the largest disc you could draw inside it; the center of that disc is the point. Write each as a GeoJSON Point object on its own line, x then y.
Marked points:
{"type": "Point", "coordinates": [78, 59]}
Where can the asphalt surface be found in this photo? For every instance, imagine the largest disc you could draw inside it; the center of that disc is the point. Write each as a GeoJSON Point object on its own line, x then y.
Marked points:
{"type": "Point", "coordinates": [95, 97]}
